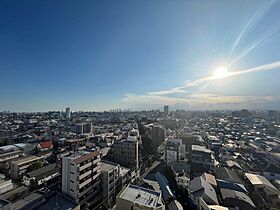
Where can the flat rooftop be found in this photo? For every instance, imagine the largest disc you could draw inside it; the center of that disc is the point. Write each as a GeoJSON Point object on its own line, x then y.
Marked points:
{"type": "Point", "coordinates": [81, 155]}
{"type": "Point", "coordinates": [141, 196]}
{"type": "Point", "coordinates": [106, 166]}
{"type": "Point", "coordinates": [27, 159]}
{"type": "Point", "coordinates": [199, 148]}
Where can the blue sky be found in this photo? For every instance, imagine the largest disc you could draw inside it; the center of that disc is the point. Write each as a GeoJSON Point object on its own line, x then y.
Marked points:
{"type": "Point", "coordinates": [100, 55]}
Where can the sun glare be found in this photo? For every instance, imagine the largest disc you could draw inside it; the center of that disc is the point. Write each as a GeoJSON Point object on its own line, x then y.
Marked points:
{"type": "Point", "coordinates": [220, 72]}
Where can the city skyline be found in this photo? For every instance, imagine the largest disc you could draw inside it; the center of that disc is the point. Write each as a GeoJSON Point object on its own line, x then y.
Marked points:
{"type": "Point", "coordinates": [95, 56]}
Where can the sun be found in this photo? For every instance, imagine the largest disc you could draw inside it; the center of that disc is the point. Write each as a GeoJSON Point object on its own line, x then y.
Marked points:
{"type": "Point", "coordinates": [220, 72]}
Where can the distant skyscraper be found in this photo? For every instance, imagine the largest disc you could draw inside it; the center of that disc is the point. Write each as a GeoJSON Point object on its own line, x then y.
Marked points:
{"type": "Point", "coordinates": [166, 111]}
{"type": "Point", "coordinates": [67, 112]}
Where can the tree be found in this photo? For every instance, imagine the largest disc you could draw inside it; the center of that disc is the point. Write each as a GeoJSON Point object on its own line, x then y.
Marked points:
{"type": "Point", "coordinates": [34, 166]}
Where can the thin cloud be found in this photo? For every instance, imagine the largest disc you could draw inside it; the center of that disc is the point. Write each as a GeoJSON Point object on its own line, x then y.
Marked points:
{"type": "Point", "coordinates": [203, 80]}
{"type": "Point", "coordinates": [253, 20]}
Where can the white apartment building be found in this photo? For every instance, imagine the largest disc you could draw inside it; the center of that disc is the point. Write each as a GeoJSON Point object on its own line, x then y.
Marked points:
{"type": "Point", "coordinates": [138, 198]}
{"type": "Point", "coordinates": [81, 178]}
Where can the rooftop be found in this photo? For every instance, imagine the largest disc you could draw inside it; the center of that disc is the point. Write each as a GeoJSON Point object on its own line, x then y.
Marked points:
{"type": "Point", "coordinates": [141, 196]}
{"type": "Point", "coordinates": [44, 171]}
{"type": "Point", "coordinates": [28, 159]}
{"type": "Point", "coordinates": [80, 156]}
{"type": "Point", "coordinates": [106, 165]}
{"type": "Point", "coordinates": [228, 175]}
{"type": "Point", "coordinates": [232, 194]}
{"type": "Point", "coordinates": [260, 180]}
{"type": "Point", "coordinates": [199, 148]}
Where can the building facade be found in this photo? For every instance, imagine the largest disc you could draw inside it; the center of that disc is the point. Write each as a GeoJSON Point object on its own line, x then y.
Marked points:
{"type": "Point", "coordinates": [174, 150]}
{"type": "Point", "coordinates": [19, 167]}
{"type": "Point", "coordinates": [81, 178]}
{"type": "Point", "coordinates": [114, 178]}
{"type": "Point", "coordinates": [126, 152]}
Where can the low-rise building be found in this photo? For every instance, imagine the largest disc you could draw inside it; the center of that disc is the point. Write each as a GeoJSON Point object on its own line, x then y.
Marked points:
{"type": "Point", "coordinates": [135, 197]}
{"type": "Point", "coordinates": [19, 167]}
{"type": "Point", "coordinates": [237, 200]}
{"type": "Point", "coordinates": [42, 175]}
{"type": "Point", "coordinates": [5, 185]}
{"type": "Point", "coordinates": [201, 189]}
{"type": "Point", "coordinates": [9, 156]}
{"type": "Point", "coordinates": [265, 189]}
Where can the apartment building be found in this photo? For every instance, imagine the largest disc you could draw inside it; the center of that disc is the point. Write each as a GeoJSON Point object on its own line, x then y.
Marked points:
{"type": "Point", "coordinates": [126, 152]}
{"type": "Point", "coordinates": [202, 159]}
{"type": "Point", "coordinates": [114, 178]}
{"type": "Point", "coordinates": [81, 178]}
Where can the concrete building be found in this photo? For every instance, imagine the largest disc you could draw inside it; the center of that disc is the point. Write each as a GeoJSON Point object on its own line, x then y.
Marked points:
{"type": "Point", "coordinates": [126, 152]}
{"type": "Point", "coordinates": [82, 128]}
{"type": "Point", "coordinates": [202, 159]}
{"type": "Point", "coordinates": [81, 178]}
{"type": "Point", "coordinates": [9, 156]}
{"type": "Point", "coordinates": [42, 175]}
{"type": "Point", "coordinates": [67, 113]}
{"type": "Point", "coordinates": [265, 189]}
{"type": "Point", "coordinates": [166, 110]}
{"type": "Point", "coordinates": [174, 151]}
{"type": "Point", "coordinates": [114, 178]}
{"type": "Point", "coordinates": [20, 166]}
{"type": "Point", "coordinates": [139, 198]}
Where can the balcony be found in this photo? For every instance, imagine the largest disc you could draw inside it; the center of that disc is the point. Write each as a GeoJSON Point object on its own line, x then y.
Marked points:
{"type": "Point", "coordinates": [88, 188]}
{"type": "Point", "coordinates": [88, 173]}
{"type": "Point", "coordinates": [91, 178]}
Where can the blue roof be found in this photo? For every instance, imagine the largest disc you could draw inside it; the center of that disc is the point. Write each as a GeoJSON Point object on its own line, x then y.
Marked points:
{"type": "Point", "coordinates": [164, 187]}
{"type": "Point", "coordinates": [232, 186]}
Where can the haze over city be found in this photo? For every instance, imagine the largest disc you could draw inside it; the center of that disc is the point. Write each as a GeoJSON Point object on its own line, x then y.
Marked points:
{"type": "Point", "coordinates": [101, 55]}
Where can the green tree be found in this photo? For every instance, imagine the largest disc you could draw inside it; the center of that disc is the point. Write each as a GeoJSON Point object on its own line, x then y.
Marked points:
{"type": "Point", "coordinates": [34, 166]}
